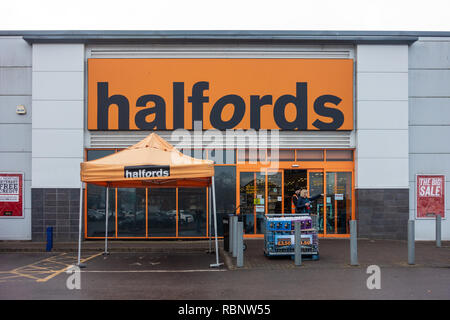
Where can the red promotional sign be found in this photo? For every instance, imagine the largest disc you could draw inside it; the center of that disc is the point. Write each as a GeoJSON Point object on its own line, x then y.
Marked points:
{"type": "Point", "coordinates": [11, 195]}
{"type": "Point", "coordinates": [430, 196]}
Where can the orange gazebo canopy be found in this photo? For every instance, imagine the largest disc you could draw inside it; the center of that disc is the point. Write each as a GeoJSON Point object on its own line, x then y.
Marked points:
{"type": "Point", "coordinates": [150, 162]}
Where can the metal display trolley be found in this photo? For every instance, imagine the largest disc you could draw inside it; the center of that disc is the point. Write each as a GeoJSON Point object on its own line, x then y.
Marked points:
{"type": "Point", "coordinates": [279, 235]}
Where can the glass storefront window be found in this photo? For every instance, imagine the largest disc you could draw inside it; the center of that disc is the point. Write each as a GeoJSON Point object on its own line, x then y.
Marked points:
{"type": "Point", "coordinates": [274, 193]}
{"type": "Point", "coordinates": [97, 154]}
{"type": "Point", "coordinates": [281, 155]}
{"type": "Point", "coordinates": [252, 199]}
{"type": "Point", "coordinates": [131, 212]}
{"type": "Point", "coordinates": [339, 201]}
{"type": "Point", "coordinates": [251, 156]}
{"type": "Point", "coordinates": [222, 156]}
{"type": "Point", "coordinates": [192, 212]}
{"type": "Point", "coordinates": [339, 155]}
{"type": "Point", "coordinates": [247, 195]}
{"type": "Point", "coordinates": [96, 206]}
{"type": "Point", "coordinates": [315, 188]}
{"type": "Point", "coordinates": [162, 212]}
{"type": "Point", "coordinates": [309, 155]}
{"type": "Point", "coordinates": [258, 195]}
{"type": "Point", "coordinates": [96, 199]}
{"type": "Point", "coordinates": [225, 180]}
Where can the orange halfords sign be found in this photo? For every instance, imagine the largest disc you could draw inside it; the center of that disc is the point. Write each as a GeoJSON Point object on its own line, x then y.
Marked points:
{"type": "Point", "coordinates": [166, 94]}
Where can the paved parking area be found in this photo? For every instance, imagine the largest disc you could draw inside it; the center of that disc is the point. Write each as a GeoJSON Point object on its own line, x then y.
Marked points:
{"type": "Point", "coordinates": [335, 253]}
{"type": "Point", "coordinates": [177, 275]}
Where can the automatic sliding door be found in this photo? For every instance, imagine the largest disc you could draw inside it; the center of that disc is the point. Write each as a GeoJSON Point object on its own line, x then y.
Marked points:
{"type": "Point", "coordinates": [294, 179]}
{"type": "Point", "coordinates": [315, 182]}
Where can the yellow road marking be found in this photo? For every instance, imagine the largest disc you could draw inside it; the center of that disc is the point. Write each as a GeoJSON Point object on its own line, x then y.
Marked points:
{"type": "Point", "coordinates": [67, 267]}
{"type": "Point", "coordinates": [43, 267]}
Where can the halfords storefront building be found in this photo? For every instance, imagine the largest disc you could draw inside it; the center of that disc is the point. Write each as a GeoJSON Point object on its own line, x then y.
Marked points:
{"type": "Point", "coordinates": [356, 116]}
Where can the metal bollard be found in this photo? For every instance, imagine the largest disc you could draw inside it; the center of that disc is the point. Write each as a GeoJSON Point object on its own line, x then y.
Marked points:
{"type": "Point", "coordinates": [230, 230]}
{"type": "Point", "coordinates": [240, 245]}
{"type": "Point", "coordinates": [298, 243]}
{"type": "Point", "coordinates": [353, 243]}
{"type": "Point", "coordinates": [438, 230]}
{"type": "Point", "coordinates": [235, 236]}
{"type": "Point", "coordinates": [411, 239]}
{"type": "Point", "coordinates": [49, 246]}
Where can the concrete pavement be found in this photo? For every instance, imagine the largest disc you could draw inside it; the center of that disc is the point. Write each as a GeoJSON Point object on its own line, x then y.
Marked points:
{"type": "Point", "coordinates": [186, 275]}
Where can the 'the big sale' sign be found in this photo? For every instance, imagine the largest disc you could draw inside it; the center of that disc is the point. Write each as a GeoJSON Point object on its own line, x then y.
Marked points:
{"type": "Point", "coordinates": [430, 196]}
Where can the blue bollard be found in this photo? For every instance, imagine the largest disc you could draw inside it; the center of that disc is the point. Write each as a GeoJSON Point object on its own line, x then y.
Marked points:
{"type": "Point", "coordinates": [49, 239]}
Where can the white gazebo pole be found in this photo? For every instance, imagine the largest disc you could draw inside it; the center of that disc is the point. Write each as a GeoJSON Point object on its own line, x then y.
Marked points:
{"type": "Point", "coordinates": [106, 219]}
{"type": "Point", "coordinates": [209, 217]}
{"type": "Point", "coordinates": [217, 264]}
{"type": "Point", "coordinates": [79, 264]}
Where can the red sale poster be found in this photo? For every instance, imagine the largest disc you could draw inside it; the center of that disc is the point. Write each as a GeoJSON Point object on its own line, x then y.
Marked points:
{"type": "Point", "coordinates": [11, 195]}
{"type": "Point", "coordinates": [430, 196]}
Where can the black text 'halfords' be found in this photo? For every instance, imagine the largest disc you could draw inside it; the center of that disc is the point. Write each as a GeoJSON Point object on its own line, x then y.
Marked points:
{"type": "Point", "coordinates": [146, 172]}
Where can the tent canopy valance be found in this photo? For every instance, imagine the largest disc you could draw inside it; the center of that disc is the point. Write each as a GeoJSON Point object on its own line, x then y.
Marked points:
{"type": "Point", "coordinates": [150, 162]}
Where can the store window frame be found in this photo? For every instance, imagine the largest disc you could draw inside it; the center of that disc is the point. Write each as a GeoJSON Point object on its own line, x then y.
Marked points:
{"type": "Point", "coordinates": [310, 165]}
{"type": "Point", "coordinates": [205, 152]}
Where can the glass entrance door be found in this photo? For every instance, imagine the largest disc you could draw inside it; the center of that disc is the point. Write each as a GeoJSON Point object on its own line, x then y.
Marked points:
{"type": "Point", "coordinates": [315, 183]}
{"type": "Point", "coordinates": [261, 193]}
{"type": "Point", "coordinates": [293, 180]}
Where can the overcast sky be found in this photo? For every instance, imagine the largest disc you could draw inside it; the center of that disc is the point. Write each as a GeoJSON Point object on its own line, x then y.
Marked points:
{"type": "Point", "coordinates": [398, 15]}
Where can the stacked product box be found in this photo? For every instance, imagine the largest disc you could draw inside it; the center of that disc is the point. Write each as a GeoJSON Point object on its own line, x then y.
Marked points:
{"type": "Point", "coordinates": [279, 236]}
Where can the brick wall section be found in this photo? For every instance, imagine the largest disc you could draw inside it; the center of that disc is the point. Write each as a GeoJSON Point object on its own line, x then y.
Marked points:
{"type": "Point", "coordinates": [382, 213]}
{"type": "Point", "coordinates": [57, 208]}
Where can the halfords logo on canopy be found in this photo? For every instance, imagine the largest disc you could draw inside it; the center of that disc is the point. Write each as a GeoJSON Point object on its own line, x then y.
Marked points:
{"type": "Point", "coordinates": [146, 172]}
{"type": "Point", "coordinates": [166, 94]}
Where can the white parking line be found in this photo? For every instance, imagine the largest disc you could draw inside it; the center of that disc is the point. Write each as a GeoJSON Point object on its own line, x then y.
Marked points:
{"type": "Point", "coordinates": [153, 271]}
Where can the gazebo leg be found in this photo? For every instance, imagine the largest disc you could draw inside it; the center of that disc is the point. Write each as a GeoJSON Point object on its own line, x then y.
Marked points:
{"type": "Point", "coordinates": [106, 220]}
{"type": "Point", "coordinates": [209, 218]}
{"type": "Point", "coordinates": [79, 264]}
{"type": "Point", "coordinates": [217, 264]}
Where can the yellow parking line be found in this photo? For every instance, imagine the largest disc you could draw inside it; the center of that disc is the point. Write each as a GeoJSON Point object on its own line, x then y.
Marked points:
{"type": "Point", "coordinates": [10, 277]}
{"type": "Point", "coordinates": [34, 263]}
{"type": "Point", "coordinates": [67, 267]}
{"type": "Point", "coordinates": [24, 275]}
{"type": "Point", "coordinates": [43, 267]}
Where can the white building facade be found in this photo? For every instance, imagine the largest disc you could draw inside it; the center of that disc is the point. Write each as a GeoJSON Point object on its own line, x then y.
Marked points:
{"type": "Point", "coordinates": [401, 124]}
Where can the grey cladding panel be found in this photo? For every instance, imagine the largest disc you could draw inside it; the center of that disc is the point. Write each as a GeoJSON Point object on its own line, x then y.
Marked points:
{"type": "Point", "coordinates": [15, 138]}
{"type": "Point", "coordinates": [16, 162]}
{"type": "Point", "coordinates": [425, 54]}
{"type": "Point", "coordinates": [429, 83]}
{"type": "Point", "coordinates": [433, 111]}
{"type": "Point", "coordinates": [8, 106]}
{"type": "Point", "coordinates": [429, 163]}
{"type": "Point", "coordinates": [15, 81]}
{"type": "Point", "coordinates": [14, 52]}
{"type": "Point", "coordinates": [429, 139]}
